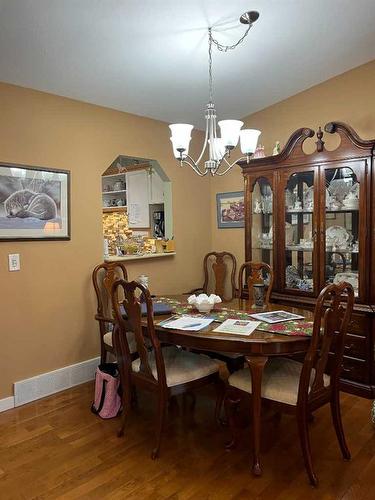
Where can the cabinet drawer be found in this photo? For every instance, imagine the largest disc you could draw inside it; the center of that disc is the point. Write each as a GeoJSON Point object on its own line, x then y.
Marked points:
{"type": "Point", "coordinates": [356, 346]}
{"type": "Point", "coordinates": [359, 324]}
{"type": "Point", "coordinates": [355, 369]}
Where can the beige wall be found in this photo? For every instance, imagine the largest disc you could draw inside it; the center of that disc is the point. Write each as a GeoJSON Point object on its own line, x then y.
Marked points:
{"type": "Point", "coordinates": [47, 309]}
{"type": "Point", "coordinates": [349, 97]}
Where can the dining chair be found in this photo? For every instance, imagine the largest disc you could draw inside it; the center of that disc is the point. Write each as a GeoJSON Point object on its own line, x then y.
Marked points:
{"type": "Point", "coordinates": [219, 278]}
{"type": "Point", "coordinates": [165, 371]}
{"type": "Point", "coordinates": [255, 273]}
{"type": "Point", "coordinates": [302, 388]}
{"type": "Point", "coordinates": [219, 275]}
{"type": "Point", "coordinates": [103, 277]}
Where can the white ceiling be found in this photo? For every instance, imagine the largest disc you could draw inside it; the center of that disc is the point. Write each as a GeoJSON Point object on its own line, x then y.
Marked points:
{"type": "Point", "coordinates": [149, 57]}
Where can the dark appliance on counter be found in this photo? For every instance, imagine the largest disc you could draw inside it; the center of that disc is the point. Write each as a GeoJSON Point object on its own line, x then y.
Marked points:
{"type": "Point", "coordinates": [158, 224]}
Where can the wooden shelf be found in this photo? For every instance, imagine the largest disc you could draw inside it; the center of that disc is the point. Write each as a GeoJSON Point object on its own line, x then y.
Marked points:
{"type": "Point", "coordinates": [114, 209]}
{"type": "Point", "coordinates": [114, 192]}
{"type": "Point", "coordinates": [296, 248]}
{"type": "Point", "coordinates": [295, 212]}
{"type": "Point", "coordinates": [340, 211]}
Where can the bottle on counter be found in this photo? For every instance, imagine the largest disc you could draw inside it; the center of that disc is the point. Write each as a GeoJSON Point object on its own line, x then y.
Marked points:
{"type": "Point", "coordinates": [106, 248]}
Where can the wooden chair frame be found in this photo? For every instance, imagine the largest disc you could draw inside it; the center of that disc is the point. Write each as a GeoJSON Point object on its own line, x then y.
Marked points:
{"type": "Point", "coordinates": [331, 321]}
{"type": "Point", "coordinates": [103, 289]}
{"type": "Point", "coordinates": [147, 338]}
{"type": "Point", "coordinates": [220, 271]}
{"type": "Point", "coordinates": [255, 277]}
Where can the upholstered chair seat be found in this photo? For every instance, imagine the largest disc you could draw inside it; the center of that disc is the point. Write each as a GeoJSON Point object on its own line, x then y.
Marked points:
{"type": "Point", "coordinates": [107, 339]}
{"type": "Point", "coordinates": [181, 366]}
{"type": "Point", "coordinates": [280, 380]}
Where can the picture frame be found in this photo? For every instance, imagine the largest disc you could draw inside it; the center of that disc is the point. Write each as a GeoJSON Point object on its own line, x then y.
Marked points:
{"type": "Point", "coordinates": [230, 210]}
{"type": "Point", "coordinates": [34, 203]}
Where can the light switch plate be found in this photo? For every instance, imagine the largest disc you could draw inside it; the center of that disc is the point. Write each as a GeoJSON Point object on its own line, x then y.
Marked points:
{"type": "Point", "coordinates": [14, 262]}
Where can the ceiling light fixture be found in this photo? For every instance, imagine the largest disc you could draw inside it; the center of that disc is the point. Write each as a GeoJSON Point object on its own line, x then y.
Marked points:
{"type": "Point", "coordinates": [219, 148]}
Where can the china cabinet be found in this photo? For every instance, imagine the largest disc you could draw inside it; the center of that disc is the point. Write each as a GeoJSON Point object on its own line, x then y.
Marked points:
{"type": "Point", "coordinates": [311, 217]}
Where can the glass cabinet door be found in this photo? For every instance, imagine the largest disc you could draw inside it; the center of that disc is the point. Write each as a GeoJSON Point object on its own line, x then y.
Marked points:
{"type": "Point", "coordinates": [300, 232]}
{"type": "Point", "coordinates": [342, 226]}
{"type": "Point", "coordinates": [262, 222]}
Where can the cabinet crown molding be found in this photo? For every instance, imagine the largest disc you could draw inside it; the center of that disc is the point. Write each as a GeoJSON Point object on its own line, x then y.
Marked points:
{"type": "Point", "coordinates": [351, 146]}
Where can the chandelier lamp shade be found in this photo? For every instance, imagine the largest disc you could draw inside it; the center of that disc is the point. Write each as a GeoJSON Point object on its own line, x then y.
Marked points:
{"type": "Point", "coordinates": [216, 148]}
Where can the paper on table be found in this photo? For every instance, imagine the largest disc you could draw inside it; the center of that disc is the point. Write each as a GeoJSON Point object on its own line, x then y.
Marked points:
{"type": "Point", "coordinates": [192, 323]}
{"type": "Point", "coordinates": [276, 316]}
{"type": "Point", "coordinates": [237, 326]}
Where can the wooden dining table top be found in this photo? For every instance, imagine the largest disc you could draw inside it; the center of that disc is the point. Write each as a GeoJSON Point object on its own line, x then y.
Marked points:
{"type": "Point", "coordinates": [257, 343]}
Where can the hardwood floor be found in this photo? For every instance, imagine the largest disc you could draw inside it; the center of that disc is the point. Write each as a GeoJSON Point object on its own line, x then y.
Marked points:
{"type": "Point", "coordinates": [56, 448]}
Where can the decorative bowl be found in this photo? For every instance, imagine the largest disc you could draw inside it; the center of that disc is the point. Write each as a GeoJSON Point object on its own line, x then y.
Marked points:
{"type": "Point", "coordinates": [204, 303]}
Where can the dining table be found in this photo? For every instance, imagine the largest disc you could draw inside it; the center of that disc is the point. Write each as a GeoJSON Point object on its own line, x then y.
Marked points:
{"type": "Point", "coordinates": [256, 348]}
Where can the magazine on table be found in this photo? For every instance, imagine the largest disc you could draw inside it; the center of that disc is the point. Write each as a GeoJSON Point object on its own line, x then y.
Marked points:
{"type": "Point", "coordinates": [237, 326]}
{"type": "Point", "coordinates": [276, 316]}
{"type": "Point", "coordinates": [189, 323]}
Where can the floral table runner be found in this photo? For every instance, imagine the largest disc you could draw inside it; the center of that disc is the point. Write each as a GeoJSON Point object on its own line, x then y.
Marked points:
{"type": "Point", "coordinates": [301, 327]}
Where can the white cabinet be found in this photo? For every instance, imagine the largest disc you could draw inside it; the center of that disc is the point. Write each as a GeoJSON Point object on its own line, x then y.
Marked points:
{"type": "Point", "coordinates": [156, 188]}
{"type": "Point", "coordinates": [138, 198]}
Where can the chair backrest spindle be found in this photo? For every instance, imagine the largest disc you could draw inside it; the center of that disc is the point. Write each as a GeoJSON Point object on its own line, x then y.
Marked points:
{"type": "Point", "coordinates": [103, 277]}
{"type": "Point", "coordinates": [128, 313]}
{"type": "Point", "coordinates": [256, 274]}
{"type": "Point", "coordinates": [217, 266]}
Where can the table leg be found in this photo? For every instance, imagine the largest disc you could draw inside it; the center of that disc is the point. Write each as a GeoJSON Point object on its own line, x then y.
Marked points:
{"type": "Point", "coordinates": [256, 365]}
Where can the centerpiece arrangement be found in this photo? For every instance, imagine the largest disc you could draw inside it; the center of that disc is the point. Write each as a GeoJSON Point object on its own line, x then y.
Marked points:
{"type": "Point", "coordinates": [203, 302]}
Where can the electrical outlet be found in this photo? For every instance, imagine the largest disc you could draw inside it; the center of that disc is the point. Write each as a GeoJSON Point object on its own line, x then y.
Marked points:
{"type": "Point", "coordinates": [14, 262]}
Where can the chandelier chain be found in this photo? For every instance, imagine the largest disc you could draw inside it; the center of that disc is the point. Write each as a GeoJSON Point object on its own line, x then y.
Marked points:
{"type": "Point", "coordinates": [225, 48]}
{"type": "Point", "coordinates": [221, 48]}
{"type": "Point", "coordinates": [210, 85]}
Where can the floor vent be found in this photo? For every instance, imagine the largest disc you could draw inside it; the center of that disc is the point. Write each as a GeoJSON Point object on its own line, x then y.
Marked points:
{"type": "Point", "coordinates": [48, 383]}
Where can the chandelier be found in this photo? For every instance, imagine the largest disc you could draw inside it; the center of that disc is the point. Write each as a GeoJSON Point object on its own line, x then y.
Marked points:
{"type": "Point", "coordinates": [219, 148]}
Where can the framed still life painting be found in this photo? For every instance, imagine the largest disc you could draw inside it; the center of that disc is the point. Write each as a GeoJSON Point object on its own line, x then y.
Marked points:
{"type": "Point", "coordinates": [230, 209]}
{"type": "Point", "coordinates": [34, 203]}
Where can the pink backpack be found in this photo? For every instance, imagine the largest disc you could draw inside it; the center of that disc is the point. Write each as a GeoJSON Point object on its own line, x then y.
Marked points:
{"type": "Point", "coordinates": [107, 403]}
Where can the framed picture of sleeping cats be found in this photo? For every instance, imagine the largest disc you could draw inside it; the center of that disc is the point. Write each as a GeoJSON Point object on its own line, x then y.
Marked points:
{"type": "Point", "coordinates": [34, 203]}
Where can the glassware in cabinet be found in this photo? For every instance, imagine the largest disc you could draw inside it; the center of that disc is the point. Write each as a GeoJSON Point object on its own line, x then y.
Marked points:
{"type": "Point", "coordinates": [300, 231]}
